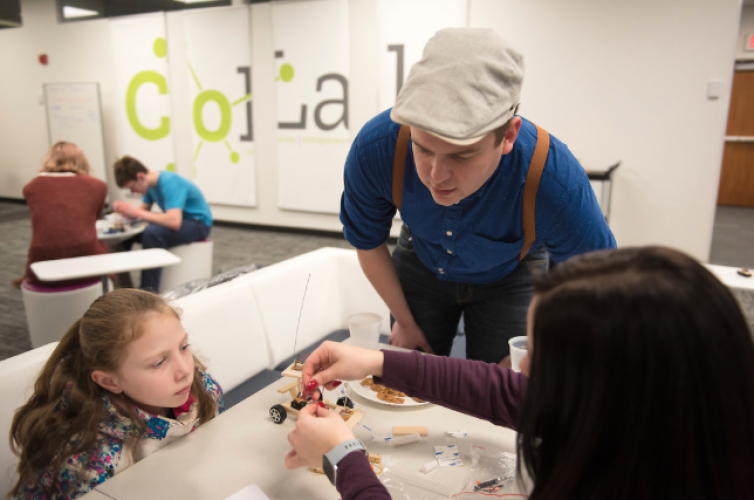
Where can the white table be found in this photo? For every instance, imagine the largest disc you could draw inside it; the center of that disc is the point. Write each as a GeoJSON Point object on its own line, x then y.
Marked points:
{"type": "Point", "coordinates": [120, 236]}
{"type": "Point", "coordinates": [740, 286]}
{"type": "Point", "coordinates": [102, 265]}
{"type": "Point", "coordinates": [243, 446]}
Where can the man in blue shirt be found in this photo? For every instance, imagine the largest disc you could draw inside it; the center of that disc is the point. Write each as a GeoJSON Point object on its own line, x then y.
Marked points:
{"type": "Point", "coordinates": [186, 215]}
{"type": "Point", "coordinates": [462, 200]}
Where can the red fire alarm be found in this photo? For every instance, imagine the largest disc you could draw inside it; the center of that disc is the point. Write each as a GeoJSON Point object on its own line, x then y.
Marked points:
{"type": "Point", "coordinates": [42, 58]}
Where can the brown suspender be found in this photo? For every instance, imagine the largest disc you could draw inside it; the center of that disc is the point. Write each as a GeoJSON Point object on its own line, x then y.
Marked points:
{"type": "Point", "coordinates": [399, 164]}
{"type": "Point", "coordinates": [536, 166]}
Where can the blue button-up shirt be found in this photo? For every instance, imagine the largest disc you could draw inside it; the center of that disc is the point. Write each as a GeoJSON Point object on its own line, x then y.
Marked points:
{"type": "Point", "coordinates": [479, 239]}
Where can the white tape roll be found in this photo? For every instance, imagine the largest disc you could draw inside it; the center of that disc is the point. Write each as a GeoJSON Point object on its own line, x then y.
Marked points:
{"type": "Point", "coordinates": [411, 438]}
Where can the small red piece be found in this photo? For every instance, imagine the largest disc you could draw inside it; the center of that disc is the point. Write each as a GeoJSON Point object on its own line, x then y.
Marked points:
{"type": "Point", "coordinates": [42, 58]}
{"type": "Point", "coordinates": [311, 385]}
{"type": "Point", "coordinates": [320, 403]}
{"type": "Point", "coordinates": [336, 383]}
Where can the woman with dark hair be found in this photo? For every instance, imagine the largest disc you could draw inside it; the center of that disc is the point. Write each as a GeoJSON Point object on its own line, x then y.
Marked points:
{"type": "Point", "coordinates": [639, 384]}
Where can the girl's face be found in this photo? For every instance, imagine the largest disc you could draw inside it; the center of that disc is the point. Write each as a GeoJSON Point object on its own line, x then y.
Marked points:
{"type": "Point", "coordinates": [525, 363]}
{"type": "Point", "coordinates": [158, 369]}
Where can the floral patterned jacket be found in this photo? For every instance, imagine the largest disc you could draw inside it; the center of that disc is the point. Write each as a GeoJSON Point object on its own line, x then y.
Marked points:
{"type": "Point", "coordinates": [82, 472]}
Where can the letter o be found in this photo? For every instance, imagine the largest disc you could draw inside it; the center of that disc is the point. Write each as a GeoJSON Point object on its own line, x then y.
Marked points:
{"type": "Point", "coordinates": [225, 116]}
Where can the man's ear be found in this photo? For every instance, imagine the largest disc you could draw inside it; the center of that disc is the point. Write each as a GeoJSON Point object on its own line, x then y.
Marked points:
{"type": "Point", "coordinates": [510, 136]}
{"type": "Point", "coordinates": [107, 381]}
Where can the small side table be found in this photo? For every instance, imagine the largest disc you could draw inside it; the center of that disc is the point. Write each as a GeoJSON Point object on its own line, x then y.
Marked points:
{"type": "Point", "coordinates": [102, 265]}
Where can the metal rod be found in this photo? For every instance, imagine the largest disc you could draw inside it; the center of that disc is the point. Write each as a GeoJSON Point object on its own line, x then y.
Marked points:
{"type": "Point", "coordinates": [295, 340]}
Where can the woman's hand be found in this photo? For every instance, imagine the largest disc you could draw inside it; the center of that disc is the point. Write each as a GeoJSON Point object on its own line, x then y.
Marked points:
{"type": "Point", "coordinates": [335, 361]}
{"type": "Point", "coordinates": [318, 430]}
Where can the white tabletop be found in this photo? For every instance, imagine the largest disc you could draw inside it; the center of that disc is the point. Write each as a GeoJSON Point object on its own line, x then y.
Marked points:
{"type": "Point", "coordinates": [243, 446]}
{"type": "Point", "coordinates": [117, 237]}
{"type": "Point", "coordinates": [730, 277]}
{"type": "Point", "coordinates": [97, 265]}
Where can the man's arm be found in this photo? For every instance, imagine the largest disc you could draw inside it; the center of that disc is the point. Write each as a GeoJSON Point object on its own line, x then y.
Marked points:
{"type": "Point", "coordinates": [172, 219]}
{"type": "Point", "coordinates": [380, 271]}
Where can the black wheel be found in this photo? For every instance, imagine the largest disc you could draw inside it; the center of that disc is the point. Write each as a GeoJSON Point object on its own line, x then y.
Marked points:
{"type": "Point", "coordinates": [278, 414]}
{"type": "Point", "coordinates": [297, 405]}
{"type": "Point", "coordinates": [344, 401]}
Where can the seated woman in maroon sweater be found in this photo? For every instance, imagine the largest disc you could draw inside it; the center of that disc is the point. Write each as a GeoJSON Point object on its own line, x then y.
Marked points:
{"type": "Point", "coordinates": [65, 203]}
{"type": "Point", "coordinates": [640, 385]}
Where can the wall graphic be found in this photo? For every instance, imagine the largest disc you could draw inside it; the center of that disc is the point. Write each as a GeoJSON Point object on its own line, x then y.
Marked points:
{"type": "Point", "coordinates": [219, 63]}
{"type": "Point", "coordinates": [142, 86]}
{"type": "Point", "coordinates": [405, 26]}
{"type": "Point", "coordinates": [311, 51]}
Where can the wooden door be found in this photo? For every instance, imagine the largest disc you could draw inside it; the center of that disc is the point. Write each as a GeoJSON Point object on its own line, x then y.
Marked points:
{"type": "Point", "coordinates": [737, 175]}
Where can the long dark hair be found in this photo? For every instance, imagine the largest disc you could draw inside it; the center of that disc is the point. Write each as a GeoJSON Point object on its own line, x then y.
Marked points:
{"type": "Point", "coordinates": [642, 382]}
{"type": "Point", "coordinates": [42, 433]}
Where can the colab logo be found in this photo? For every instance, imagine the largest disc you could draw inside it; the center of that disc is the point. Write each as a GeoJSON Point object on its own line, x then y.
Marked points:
{"type": "Point", "coordinates": [205, 96]}
{"type": "Point", "coordinates": [287, 73]}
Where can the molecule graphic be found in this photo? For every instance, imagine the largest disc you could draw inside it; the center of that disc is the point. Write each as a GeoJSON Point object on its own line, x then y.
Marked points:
{"type": "Point", "coordinates": [222, 102]}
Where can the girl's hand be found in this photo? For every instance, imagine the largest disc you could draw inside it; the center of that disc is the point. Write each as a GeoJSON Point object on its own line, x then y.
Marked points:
{"type": "Point", "coordinates": [335, 361]}
{"type": "Point", "coordinates": [318, 430]}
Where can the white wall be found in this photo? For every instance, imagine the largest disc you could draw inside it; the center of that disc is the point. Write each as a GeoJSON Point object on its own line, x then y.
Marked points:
{"type": "Point", "coordinates": [627, 81]}
{"type": "Point", "coordinates": [78, 52]}
{"type": "Point", "coordinates": [614, 80]}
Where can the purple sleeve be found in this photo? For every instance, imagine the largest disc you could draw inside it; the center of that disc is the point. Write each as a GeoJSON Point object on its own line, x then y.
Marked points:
{"type": "Point", "coordinates": [479, 389]}
{"type": "Point", "coordinates": [355, 479]}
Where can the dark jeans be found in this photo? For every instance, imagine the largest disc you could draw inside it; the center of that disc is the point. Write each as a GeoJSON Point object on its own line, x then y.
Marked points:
{"type": "Point", "coordinates": [157, 236]}
{"type": "Point", "coordinates": [493, 313]}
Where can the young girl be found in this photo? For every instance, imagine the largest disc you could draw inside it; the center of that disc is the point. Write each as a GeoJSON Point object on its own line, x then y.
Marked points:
{"type": "Point", "coordinates": [121, 384]}
{"type": "Point", "coordinates": [641, 386]}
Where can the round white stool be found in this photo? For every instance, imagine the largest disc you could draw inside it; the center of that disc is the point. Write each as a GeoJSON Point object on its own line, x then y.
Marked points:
{"type": "Point", "coordinates": [50, 311]}
{"type": "Point", "coordinates": [196, 263]}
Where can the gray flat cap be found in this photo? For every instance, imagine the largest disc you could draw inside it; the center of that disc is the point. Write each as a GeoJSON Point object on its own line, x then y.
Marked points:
{"type": "Point", "coordinates": [467, 84]}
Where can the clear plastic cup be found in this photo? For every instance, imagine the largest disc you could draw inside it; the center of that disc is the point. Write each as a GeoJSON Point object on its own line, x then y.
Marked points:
{"type": "Point", "coordinates": [519, 349]}
{"type": "Point", "coordinates": [365, 330]}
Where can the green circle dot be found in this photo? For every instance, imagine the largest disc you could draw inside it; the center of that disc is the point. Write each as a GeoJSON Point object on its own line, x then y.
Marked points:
{"type": "Point", "coordinates": [286, 72]}
{"type": "Point", "coordinates": [170, 167]}
{"type": "Point", "coordinates": [234, 157]}
{"type": "Point", "coordinates": [160, 47]}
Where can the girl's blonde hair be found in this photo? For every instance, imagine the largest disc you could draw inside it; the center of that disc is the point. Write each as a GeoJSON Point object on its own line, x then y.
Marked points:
{"type": "Point", "coordinates": [65, 157]}
{"type": "Point", "coordinates": [43, 430]}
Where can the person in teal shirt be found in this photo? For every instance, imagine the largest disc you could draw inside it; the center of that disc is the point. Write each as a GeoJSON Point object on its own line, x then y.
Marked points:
{"type": "Point", "coordinates": [186, 215]}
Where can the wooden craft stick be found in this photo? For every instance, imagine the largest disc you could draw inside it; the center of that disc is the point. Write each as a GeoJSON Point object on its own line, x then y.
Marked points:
{"type": "Point", "coordinates": [405, 430]}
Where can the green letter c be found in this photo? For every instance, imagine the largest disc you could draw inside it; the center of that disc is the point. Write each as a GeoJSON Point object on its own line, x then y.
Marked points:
{"type": "Point", "coordinates": [151, 134]}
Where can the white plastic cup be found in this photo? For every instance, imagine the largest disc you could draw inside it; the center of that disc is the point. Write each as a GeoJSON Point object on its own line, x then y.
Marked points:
{"type": "Point", "coordinates": [519, 349]}
{"type": "Point", "coordinates": [365, 330]}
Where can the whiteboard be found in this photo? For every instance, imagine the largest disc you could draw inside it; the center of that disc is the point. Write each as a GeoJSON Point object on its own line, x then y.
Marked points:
{"type": "Point", "coordinates": [74, 115]}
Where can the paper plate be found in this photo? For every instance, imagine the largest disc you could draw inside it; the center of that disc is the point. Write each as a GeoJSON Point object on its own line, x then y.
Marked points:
{"type": "Point", "coordinates": [366, 392]}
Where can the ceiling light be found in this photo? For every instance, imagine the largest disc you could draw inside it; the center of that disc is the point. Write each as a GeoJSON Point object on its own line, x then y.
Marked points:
{"type": "Point", "coordinates": [73, 12]}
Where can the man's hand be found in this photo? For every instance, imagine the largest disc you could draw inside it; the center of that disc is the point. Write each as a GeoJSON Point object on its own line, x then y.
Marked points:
{"type": "Point", "coordinates": [334, 361]}
{"type": "Point", "coordinates": [126, 209]}
{"type": "Point", "coordinates": [409, 337]}
{"type": "Point", "coordinates": [318, 430]}
{"type": "Point", "coordinates": [506, 362]}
